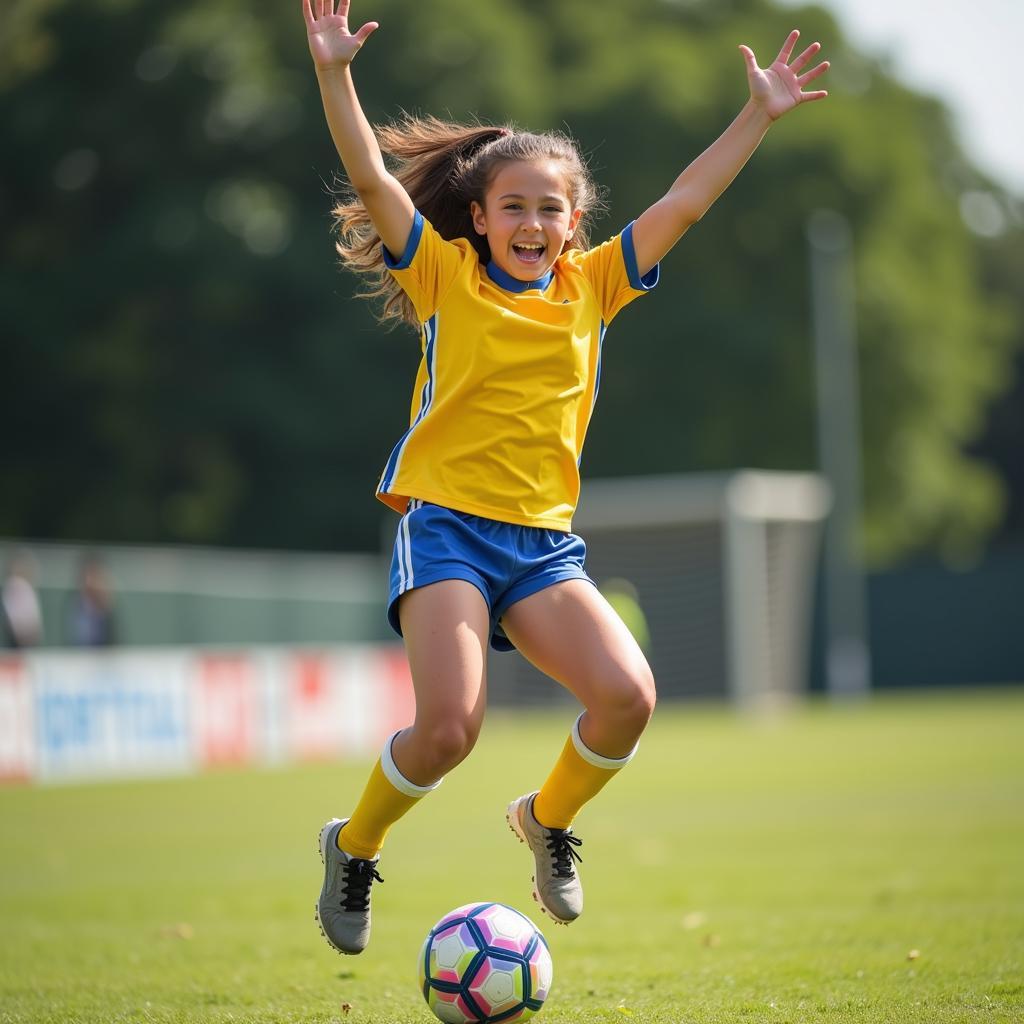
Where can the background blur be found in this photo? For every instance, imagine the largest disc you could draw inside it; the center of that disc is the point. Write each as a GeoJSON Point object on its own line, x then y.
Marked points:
{"type": "Point", "coordinates": [185, 363]}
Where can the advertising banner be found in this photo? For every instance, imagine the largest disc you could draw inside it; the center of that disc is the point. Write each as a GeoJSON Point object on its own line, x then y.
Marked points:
{"type": "Point", "coordinates": [17, 730]}
{"type": "Point", "coordinates": [111, 714]}
{"type": "Point", "coordinates": [135, 713]}
{"type": "Point", "coordinates": [227, 712]}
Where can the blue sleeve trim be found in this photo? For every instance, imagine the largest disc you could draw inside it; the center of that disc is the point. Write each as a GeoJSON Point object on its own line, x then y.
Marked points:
{"type": "Point", "coordinates": [650, 279]}
{"type": "Point", "coordinates": [410, 247]}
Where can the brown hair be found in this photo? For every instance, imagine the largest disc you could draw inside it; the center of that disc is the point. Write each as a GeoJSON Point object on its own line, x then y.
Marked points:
{"type": "Point", "coordinates": [444, 166]}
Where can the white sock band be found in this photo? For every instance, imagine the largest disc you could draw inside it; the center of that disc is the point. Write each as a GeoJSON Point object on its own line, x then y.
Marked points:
{"type": "Point", "coordinates": [592, 757]}
{"type": "Point", "coordinates": [396, 778]}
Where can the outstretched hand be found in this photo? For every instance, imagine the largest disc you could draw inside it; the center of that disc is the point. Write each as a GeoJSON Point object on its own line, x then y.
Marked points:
{"type": "Point", "coordinates": [330, 42]}
{"type": "Point", "coordinates": [779, 88]}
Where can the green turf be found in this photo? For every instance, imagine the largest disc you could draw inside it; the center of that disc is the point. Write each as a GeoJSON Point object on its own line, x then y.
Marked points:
{"type": "Point", "coordinates": [739, 870]}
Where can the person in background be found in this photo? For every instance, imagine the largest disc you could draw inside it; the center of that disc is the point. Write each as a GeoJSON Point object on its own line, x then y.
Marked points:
{"type": "Point", "coordinates": [21, 617]}
{"type": "Point", "coordinates": [622, 595]}
{"type": "Point", "coordinates": [91, 612]}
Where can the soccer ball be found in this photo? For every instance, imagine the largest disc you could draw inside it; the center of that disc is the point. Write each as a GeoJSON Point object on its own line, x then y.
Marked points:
{"type": "Point", "coordinates": [484, 963]}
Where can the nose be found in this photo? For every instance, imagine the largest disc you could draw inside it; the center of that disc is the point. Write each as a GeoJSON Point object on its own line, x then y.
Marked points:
{"type": "Point", "coordinates": [531, 222]}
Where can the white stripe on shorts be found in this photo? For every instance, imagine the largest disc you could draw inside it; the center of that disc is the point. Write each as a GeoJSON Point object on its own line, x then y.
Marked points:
{"type": "Point", "coordinates": [406, 577]}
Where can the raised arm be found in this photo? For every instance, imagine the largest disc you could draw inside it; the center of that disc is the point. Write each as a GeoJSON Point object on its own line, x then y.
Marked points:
{"type": "Point", "coordinates": [773, 91]}
{"type": "Point", "coordinates": [333, 48]}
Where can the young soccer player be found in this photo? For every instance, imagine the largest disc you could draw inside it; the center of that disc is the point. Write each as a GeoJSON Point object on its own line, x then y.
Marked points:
{"type": "Point", "coordinates": [479, 239]}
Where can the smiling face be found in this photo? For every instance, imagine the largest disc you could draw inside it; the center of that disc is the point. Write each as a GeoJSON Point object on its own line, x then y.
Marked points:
{"type": "Point", "coordinates": [527, 216]}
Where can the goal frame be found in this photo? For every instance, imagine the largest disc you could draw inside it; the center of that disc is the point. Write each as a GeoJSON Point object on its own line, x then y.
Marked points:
{"type": "Point", "coordinates": [767, 633]}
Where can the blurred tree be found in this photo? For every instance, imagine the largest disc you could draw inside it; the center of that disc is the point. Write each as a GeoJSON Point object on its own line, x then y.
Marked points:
{"type": "Point", "coordinates": [184, 360]}
{"type": "Point", "coordinates": [1002, 245]}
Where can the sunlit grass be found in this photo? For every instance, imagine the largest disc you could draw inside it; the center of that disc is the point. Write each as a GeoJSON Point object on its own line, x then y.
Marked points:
{"type": "Point", "coordinates": [835, 864]}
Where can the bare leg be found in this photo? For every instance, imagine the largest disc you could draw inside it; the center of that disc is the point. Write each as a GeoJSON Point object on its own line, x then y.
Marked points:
{"type": "Point", "coordinates": [570, 632]}
{"type": "Point", "coordinates": [447, 629]}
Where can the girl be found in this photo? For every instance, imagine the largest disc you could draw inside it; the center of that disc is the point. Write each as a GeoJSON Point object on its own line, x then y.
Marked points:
{"type": "Point", "coordinates": [480, 240]}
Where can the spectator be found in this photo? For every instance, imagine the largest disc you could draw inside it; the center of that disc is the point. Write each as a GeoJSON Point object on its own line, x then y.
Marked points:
{"type": "Point", "coordinates": [22, 619]}
{"type": "Point", "coordinates": [91, 614]}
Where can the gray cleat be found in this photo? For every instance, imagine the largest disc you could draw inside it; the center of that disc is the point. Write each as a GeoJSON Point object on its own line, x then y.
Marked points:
{"type": "Point", "coordinates": [556, 886]}
{"type": "Point", "coordinates": [343, 910]}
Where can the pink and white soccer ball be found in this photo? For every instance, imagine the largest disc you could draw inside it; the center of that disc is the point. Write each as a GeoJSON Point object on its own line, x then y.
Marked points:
{"type": "Point", "coordinates": [484, 963]}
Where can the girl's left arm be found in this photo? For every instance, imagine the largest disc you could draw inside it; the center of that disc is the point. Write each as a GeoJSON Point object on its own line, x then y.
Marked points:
{"type": "Point", "coordinates": [773, 92]}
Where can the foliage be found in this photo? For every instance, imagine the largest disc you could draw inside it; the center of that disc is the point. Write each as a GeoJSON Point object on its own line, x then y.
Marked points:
{"type": "Point", "coordinates": [186, 362]}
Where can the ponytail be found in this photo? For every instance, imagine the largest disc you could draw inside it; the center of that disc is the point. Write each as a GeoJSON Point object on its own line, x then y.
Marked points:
{"type": "Point", "coordinates": [444, 166]}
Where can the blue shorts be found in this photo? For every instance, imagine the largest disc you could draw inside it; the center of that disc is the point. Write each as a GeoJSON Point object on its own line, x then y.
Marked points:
{"type": "Point", "coordinates": [503, 561]}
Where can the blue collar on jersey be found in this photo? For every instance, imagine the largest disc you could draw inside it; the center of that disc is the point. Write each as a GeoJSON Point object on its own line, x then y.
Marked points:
{"type": "Point", "coordinates": [512, 284]}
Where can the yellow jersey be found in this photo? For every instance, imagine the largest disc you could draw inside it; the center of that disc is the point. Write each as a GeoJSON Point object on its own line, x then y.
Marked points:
{"type": "Point", "coordinates": [508, 379]}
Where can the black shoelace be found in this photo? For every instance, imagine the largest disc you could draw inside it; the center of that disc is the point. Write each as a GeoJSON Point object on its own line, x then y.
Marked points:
{"type": "Point", "coordinates": [561, 842]}
{"type": "Point", "coordinates": [359, 876]}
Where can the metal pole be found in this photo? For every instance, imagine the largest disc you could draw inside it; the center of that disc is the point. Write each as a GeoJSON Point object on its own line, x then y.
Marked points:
{"type": "Point", "coordinates": [847, 654]}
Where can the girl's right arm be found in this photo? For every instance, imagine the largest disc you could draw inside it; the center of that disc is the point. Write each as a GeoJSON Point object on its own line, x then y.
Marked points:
{"type": "Point", "coordinates": [333, 48]}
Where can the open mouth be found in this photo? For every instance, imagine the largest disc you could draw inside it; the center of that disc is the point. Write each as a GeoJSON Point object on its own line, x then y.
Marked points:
{"type": "Point", "coordinates": [528, 252]}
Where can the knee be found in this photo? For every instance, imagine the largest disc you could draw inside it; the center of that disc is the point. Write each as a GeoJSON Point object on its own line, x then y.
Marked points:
{"type": "Point", "coordinates": [631, 697]}
{"type": "Point", "coordinates": [644, 697]}
{"type": "Point", "coordinates": [446, 744]}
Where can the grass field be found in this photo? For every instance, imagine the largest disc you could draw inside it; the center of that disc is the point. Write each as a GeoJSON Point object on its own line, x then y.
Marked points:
{"type": "Point", "coordinates": [739, 871]}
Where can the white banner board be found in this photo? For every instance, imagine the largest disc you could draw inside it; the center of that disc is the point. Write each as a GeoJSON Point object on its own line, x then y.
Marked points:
{"type": "Point", "coordinates": [134, 713]}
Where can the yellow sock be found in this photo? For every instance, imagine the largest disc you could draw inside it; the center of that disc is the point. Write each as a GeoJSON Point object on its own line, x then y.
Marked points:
{"type": "Point", "coordinates": [387, 796]}
{"type": "Point", "coordinates": [579, 775]}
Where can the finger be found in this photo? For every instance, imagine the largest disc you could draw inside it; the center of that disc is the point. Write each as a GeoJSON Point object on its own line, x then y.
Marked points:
{"type": "Point", "coordinates": [806, 97]}
{"type": "Point", "coordinates": [787, 46]}
{"type": "Point", "coordinates": [366, 31]}
{"type": "Point", "coordinates": [748, 56]}
{"type": "Point", "coordinates": [813, 74]}
{"type": "Point", "coordinates": [307, 12]}
{"type": "Point", "coordinates": [318, 9]}
{"type": "Point", "coordinates": [805, 58]}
